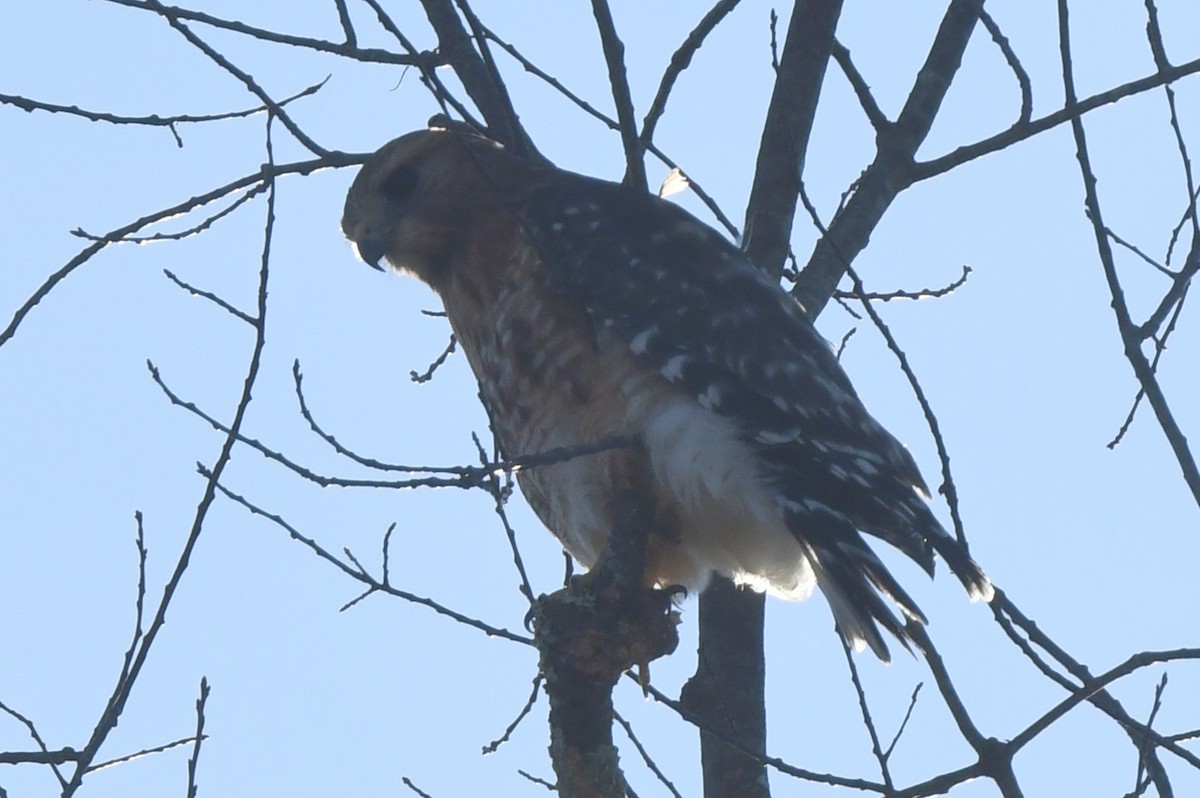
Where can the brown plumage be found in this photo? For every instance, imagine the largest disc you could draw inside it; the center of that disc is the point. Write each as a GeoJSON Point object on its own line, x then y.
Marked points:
{"type": "Point", "coordinates": [590, 311]}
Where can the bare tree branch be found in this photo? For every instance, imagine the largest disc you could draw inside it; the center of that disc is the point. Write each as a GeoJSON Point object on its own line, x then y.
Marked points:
{"type": "Point", "coordinates": [614, 56]}
{"type": "Point", "coordinates": [349, 50]}
{"type": "Point", "coordinates": [680, 60]}
{"type": "Point", "coordinates": [152, 120]}
{"type": "Point", "coordinates": [1014, 64]}
{"type": "Point", "coordinates": [923, 170]}
{"type": "Point", "coordinates": [891, 171]}
{"type": "Point", "coordinates": [1130, 335]}
{"type": "Point", "coordinates": [484, 85]}
{"type": "Point", "coordinates": [129, 675]}
{"type": "Point", "coordinates": [777, 173]}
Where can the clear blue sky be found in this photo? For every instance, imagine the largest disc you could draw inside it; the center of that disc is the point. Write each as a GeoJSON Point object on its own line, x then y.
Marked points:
{"type": "Point", "coordinates": [1022, 365]}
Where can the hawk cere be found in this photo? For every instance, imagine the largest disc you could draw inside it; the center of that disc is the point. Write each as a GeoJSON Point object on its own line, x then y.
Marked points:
{"type": "Point", "coordinates": [589, 310]}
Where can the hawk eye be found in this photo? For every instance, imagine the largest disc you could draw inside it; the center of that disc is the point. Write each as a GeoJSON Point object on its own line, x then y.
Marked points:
{"type": "Point", "coordinates": [399, 184]}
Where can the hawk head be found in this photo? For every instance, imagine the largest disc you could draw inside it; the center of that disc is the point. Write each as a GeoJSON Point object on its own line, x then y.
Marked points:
{"type": "Point", "coordinates": [412, 198]}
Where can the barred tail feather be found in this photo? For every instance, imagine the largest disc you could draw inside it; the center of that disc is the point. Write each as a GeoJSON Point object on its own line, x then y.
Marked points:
{"type": "Point", "coordinates": [856, 583]}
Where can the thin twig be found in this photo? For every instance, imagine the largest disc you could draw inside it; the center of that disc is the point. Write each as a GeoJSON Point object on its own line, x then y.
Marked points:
{"type": "Point", "coordinates": [1160, 346]}
{"type": "Point", "coordinates": [494, 745]}
{"type": "Point", "coordinates": [680, 60]}
{"type": "Point", "coordinates": [408, 783]}
{"type": "Point", "coordinates": [211, 297]}
{"type": "Point", "coordinates": [427, 375]}
{"type": "Point", "coordinates": [194, 759]}
{"type": "Point", "coordinates": [361, 575]}
{"type": "Point", "coordinates": [1014, 64]}
{"type": "Point", "coordinates": [645, 755]}
{"type": "Point", "coordinates": [348, 50]}
{"type": "Point", "coordinates": [267, 172]}
{"type": "Point", "coordinates": [500, 495]}
{"type": "Point", "coordinates": [881, 757]}
{"type": "Point", "coordinates": [1141, 255]}
{"type": "Point", "coordinates": [208, 222]}
{"type": "Point", "coordinates": [923, 293]}
{"type": "Point", "coordinates": [912, 704]}
{"type": "Point", "coordinates": [44, 754]}
{"type": "Point", "coordinates": [153, 120]}
{"type": "Point", "coordinates": [247, 80]}
{"type": "Point", "coordinates": [1141, 780]}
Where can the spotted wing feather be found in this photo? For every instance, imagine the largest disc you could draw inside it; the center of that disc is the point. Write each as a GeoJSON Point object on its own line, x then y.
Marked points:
{"type": "Point", "coordinates": [689, 304]}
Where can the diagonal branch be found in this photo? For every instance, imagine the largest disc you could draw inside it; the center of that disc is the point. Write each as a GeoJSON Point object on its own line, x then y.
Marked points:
{"type": "Point", "coordinates": [483, 84]}
{"type": "Point", "coordinates": [268, 172]}
{"type": "Point", "coordinates": [249, 82]}
{"type": "Point", "coordinates": [680, 61]}
{"type": "Point", "coordinates": [892, 170]}
{"type": "Point", "coordinates": [1019, 132]}
{"type": "Point", "coordinates": [129, 674]}
{"type": "Point", "coordinates": [862, 91]}
{"type": "Point", "coordinates": [518, 139]}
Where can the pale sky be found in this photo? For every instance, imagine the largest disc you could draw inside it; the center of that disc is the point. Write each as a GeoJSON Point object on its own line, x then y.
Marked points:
{"type": "Point", "coordinates": [1022, 365]}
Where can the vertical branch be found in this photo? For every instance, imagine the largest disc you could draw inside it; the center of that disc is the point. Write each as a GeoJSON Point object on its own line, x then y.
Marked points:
{"type": "Point", "coordinates": [892, 170]}
{"type": "Point", "coordinates": [194, 759]}
{"type": "Point", "coordinates": [727, 691]}
{"type": "Point", "coordinates": [587, 635]}
{"type": "Point", "coordinates": [726, 696]}
{"type": "Point", "coordinates": [790, 115]}
{"type": "Point", "coordinates": [614, 56]}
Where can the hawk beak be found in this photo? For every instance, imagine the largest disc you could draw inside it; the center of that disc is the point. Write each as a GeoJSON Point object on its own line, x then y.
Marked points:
{"type": "Point", "coordinates": [371, 250]}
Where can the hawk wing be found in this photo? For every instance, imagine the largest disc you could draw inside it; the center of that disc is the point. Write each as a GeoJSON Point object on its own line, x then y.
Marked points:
{"type": "Point", "coordinates": [691, 306]}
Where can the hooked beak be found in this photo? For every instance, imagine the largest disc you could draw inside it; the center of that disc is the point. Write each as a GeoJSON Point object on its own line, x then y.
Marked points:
{"type": "Point", "coordinates": [371, 250]}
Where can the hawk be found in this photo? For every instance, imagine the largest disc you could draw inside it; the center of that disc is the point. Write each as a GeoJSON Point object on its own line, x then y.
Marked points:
{"type": "Point", "coordinates": [589, 311]}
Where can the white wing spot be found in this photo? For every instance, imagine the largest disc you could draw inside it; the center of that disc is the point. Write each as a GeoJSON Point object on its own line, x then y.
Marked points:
{"type": "Point", "coordinates": [711, 398]}
{"type": "Point", "coordinates": [642, 340]}
{"type": "Point", "coordinates": [673, 368]}
{"type": "Point", "coordinates": [865, 466]}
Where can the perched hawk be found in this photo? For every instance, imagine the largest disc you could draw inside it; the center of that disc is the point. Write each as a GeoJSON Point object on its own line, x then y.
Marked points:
{"type": "Point", "coordinates": [589, 310]}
